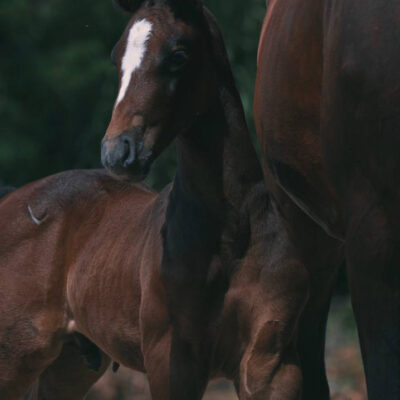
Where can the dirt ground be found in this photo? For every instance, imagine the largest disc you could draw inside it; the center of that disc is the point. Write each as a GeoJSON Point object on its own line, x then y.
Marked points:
{"type": "Point", "coordinates": [344, 367]}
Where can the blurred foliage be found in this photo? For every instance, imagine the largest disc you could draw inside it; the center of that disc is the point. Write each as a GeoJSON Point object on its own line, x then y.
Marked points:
{"type": "Point", "coordinates": [57, 84]}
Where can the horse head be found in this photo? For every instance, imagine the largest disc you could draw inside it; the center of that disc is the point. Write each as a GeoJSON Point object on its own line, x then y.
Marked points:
{"type": "Point", "coordinates": [166, 80]}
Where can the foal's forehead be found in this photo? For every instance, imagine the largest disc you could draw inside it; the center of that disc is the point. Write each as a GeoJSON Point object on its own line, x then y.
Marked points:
{"type": "Point", "coordinates": [162, 24]}
{"type": "Point", "coordinates": [146, 34]}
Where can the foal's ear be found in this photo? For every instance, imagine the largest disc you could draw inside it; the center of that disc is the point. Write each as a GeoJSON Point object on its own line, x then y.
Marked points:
{"type": "Point", "coordinates": [129, 5]}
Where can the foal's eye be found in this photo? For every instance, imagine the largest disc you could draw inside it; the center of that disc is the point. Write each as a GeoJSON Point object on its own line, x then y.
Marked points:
{"type": "Point", "coordinates": [177, 60]}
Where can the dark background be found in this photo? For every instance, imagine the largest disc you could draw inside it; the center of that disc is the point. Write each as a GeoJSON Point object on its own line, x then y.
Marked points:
{"type": "Point", "coordinates": [58, 86]}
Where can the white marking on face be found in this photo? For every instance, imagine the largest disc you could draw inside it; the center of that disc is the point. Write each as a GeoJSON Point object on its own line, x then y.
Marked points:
{"type": "Point", "coordinates": [134, 52]}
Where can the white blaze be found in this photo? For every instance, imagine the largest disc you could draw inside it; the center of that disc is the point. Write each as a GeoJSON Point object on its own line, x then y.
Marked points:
{"type": "Point", "coordinates": [134, 53]}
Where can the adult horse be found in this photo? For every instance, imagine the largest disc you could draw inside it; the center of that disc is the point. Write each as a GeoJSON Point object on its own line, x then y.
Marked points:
{"type": "Point", "coordinates": [196, 282]}
{"type": "Point", "coordinates": [327, 114]}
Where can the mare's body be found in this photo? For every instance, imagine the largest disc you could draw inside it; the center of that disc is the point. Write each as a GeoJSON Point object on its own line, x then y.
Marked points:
{"type": "Point", "coordinates": [196, 282]}
{"type": "Point", "coordinates": [327, 114]}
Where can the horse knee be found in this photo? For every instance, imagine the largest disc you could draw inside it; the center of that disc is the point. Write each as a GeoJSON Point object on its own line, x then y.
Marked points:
{"type": "Point", "coordinates": [275, 378]}
{"type": "Point", "coordinates": [270, 367]}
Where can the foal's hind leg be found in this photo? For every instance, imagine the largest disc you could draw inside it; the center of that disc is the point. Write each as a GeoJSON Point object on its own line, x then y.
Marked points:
{"type": "Point", "coordinates": [68, 377]}
{"type": "Point", "coordinates": [322, 257]}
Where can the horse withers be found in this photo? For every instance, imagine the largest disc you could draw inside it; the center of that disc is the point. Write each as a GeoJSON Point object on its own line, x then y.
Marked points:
{"type": "Point", "coordinates": [196, 282]}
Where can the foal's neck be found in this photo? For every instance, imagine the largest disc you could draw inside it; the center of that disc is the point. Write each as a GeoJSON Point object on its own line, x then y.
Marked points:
{"type": "Point", "coordinates": [217, 163]}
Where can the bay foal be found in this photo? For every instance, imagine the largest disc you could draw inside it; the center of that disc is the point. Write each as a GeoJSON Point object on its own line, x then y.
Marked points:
{"type": "Point", "coordinates": [196, 282]}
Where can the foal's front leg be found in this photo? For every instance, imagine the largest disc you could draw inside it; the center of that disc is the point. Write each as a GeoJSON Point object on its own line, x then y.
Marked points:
{"type": "Point", "coordinates": [270, 376]}
{"type": "Point", "coordinates": [171, 363]}
{"type": "Point", "coordinates": [69, 376]}
{"type": "Point", "coordinates": [271, 306]}
{"type": "Point", "coordinates": [173, 372]}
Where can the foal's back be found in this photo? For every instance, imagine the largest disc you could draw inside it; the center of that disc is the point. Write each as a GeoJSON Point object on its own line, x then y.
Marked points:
{"type": "Point", "coordinates": [53, 225]}
{"type": "Point", "coordinates": [72, 202]}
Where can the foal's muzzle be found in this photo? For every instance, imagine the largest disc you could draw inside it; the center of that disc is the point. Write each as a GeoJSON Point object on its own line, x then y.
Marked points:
{"type": "Point", "coordinates": [126, 156]}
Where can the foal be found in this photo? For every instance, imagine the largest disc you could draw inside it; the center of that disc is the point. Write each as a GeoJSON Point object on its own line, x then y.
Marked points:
{"type": "Point", "coordinates": [196, 282]}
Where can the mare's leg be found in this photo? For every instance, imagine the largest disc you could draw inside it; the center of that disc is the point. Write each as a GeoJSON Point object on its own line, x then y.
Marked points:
{"type": "Point", "coordinates": [373, 257]}
{"type": "Point", "coordinates": [360, 132]}
{"type": "Point", "coordinates": [322, 256]}
{"type": "Point", "coordinates": [69, 376]}
{"type": "Point", "coordinates": [312, 335]}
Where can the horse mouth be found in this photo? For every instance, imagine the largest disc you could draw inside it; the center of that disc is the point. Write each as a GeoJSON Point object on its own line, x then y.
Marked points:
{"type": "Point", "coordinates": [136, 172]}
{"type": "Point", "coordinates": [126, 158]}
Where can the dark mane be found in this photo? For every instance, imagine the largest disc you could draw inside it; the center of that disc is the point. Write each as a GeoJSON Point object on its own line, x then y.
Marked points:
{"type": "Point", "coordinates": [5, 190]}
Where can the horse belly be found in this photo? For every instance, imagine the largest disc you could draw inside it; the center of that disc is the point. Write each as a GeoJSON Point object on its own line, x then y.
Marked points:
{"type": "Point", "coordinates": [287, 110]}
{"type": "Point", "coordinates": [105, 304]}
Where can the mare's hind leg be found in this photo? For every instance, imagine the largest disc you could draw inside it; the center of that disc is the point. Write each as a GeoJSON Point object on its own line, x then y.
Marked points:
{"type": "Point", "coordinates": [373, 255]}
{"type": "Point", "coordinates": [69, 376]}
{"type": "Point", "coordinates": [360, 137]}
{"type": "Point", "coordinates": [322, 257]}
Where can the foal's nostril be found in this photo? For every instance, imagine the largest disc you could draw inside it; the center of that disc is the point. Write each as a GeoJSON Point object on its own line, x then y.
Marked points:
{"type": "Point", "coordinates": [105, 154]}
{"type": "Point", "coordinates": [129, 155]}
